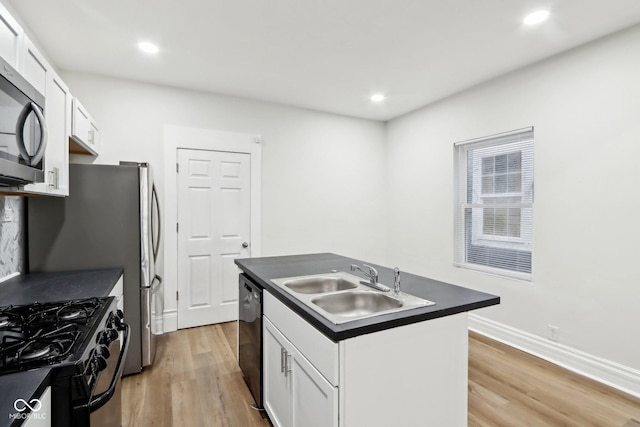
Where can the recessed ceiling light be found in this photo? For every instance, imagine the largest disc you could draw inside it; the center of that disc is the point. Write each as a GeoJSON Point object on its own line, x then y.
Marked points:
{"type": "Point", "coordinates": [378, 97]}
{"type": "Point", "coordinates": [148, 47]}
{"type": "Point", "coordinates": [535, 18]}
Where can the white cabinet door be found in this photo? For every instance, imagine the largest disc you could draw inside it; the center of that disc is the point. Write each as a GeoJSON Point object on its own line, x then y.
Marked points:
{"type": "Point", "coordinates": [11, 38]}
{"type": "Point", "coordinates": [34, 67]}
{"type": "Point", "coordinates": [57, 114]}
{"type": "Point", "coordinates": [295, 393]}
{"type": "Point", "coordinates": [315, 400]}
{"type": "Point", "coordinates": [276, 385]}
{"type": "Point", "coordinates": [94, 135]}
{"type": "Point", "coordinates": [84, 130]}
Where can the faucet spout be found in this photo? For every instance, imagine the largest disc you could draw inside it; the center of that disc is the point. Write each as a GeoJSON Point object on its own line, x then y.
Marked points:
{"type": "Point", "coordinates": [372, 275]}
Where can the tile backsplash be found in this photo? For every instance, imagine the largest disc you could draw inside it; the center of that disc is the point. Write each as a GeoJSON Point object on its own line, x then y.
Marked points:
{"type": "Point", "coordinates": [12, 235]}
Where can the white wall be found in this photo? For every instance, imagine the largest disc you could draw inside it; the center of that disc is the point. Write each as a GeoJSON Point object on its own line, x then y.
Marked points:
{"type": "Point", "coordinates": [325, 182]}
{"type": "Point", "coordinates": [323, 178]}
{"type": "Point", "coordinates": [585, 107]}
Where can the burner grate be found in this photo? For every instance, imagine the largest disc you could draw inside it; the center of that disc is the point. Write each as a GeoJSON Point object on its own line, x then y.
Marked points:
{"type": "Point", "coordinates": [42, 333]}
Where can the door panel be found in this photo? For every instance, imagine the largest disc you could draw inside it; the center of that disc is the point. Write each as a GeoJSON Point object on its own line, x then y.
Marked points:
{"type": "Point", "coordinates": [214, 222]}
{"type": "Point", "coordinates": [277, 385]}
{"type": "Point", "coordinates": [315, 400]}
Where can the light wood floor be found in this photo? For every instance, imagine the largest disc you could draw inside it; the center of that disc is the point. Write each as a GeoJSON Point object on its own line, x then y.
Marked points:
{"type": "Point", "coordinates": [195, 381]}
{"type": "Point", "coordinates": [508, 387]}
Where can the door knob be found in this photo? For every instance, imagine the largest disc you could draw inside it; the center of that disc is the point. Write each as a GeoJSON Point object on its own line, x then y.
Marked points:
{"type": "Point", "coordinates": [245, 245]}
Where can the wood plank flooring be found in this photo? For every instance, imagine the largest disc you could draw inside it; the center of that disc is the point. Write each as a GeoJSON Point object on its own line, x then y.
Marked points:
{"type": "Point", "coordinates": [508, 387]}
{"type": "Point", "coordinates": [196, 381]}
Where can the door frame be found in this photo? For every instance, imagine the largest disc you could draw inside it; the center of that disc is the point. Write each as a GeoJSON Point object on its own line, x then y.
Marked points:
{"type": "Point", "coordinates": [178, 137]}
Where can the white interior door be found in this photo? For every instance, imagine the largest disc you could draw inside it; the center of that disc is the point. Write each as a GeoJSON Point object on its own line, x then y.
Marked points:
{"type": "Point", "coordinates": [214, 198]}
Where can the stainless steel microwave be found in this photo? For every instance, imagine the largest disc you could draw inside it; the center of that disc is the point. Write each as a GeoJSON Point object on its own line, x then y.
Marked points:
{"type": "Point", "coordinates": [23, 132]}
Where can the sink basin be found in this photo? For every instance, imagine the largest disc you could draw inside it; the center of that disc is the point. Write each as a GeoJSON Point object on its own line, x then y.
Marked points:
{"type": "Point", "coordinates": [319, 285]}
{"type": "Point", "coordinates": [340, 297]}
{"type": "Point", "coordinates": [356, 303]}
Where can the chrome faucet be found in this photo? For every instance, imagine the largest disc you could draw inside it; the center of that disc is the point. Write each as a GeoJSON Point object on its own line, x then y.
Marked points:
{"type": "Point", "coordinates": [372, 275]}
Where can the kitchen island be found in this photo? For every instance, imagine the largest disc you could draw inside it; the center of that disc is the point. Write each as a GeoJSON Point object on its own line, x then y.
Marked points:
{"type": "Point", "coordinates": [396, 368]}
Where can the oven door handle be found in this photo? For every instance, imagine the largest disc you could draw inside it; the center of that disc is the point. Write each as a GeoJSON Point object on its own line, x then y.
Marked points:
{"type": "Point", "coordinates": [99, 401]}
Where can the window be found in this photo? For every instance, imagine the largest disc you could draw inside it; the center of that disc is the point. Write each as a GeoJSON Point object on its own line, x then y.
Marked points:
{"type": "Point", "coordinates": [494, 203]}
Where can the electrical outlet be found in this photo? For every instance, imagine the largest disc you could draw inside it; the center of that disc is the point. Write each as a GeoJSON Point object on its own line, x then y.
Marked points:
{"type": "Point", "coordinates": [7, 215]}
{"type": "Point", "coordinates": [554, 333]}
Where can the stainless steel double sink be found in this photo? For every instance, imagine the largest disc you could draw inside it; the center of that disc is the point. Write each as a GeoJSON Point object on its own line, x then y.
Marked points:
{"type": "Point", "coordinates": [340, 297]}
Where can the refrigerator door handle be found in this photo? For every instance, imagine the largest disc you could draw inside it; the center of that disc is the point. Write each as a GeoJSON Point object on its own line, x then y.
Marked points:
{"type": "Point", "coordinates": [155, 283]}
{"type": "Point", "coordinates": [155, 240]}
{"type": "Point", "coordinates": [158, 280]}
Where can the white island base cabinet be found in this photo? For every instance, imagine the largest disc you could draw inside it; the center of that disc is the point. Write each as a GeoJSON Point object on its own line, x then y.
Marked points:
{"type": "Point", "coordinates": [411, 375]}
{"type": "Point", "coordinates": [296, 394]}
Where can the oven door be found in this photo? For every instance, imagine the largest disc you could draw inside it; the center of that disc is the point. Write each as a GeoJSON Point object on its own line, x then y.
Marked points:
{"type": "Point", "coordinates": [105, 404]}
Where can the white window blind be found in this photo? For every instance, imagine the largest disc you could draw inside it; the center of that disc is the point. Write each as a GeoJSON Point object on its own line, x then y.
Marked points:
{"type": "Point", "coordinates": [494, 203]}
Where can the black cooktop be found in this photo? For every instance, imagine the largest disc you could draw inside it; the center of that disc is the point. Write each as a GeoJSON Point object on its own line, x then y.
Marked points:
{"type": "Point", "coordinates": [36, 335]}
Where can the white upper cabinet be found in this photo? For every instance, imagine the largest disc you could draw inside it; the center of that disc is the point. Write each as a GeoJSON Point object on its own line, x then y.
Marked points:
{"type": "Point", "coordinates": [57, 112]}
{"type": "Point", "coordinates": [11, 35]}
{"type": "Point", "coordinates": [84, 131]}
{"type": "Point", "coordinates": [70, 127]}
{"type": "Point", "coordinates": [34, 66]}
{"type": "Point", "coordinates": [58, 117]}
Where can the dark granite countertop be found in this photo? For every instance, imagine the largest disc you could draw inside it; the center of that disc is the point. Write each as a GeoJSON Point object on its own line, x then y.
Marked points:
{"type": "Point", "coordinates": [449, 299]}
{"type": "Point", "coordinates": [58, 286]}
{"type": "Point", "coordinates": [45, 287]}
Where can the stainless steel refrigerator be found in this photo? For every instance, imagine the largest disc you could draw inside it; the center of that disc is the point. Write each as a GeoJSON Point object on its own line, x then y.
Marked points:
{"type": "Point", "coordinates": [111, 218]}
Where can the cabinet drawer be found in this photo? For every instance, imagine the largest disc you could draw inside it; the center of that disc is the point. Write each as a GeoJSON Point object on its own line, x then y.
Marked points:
{"type": "Point", "coordinates": [318, 349]}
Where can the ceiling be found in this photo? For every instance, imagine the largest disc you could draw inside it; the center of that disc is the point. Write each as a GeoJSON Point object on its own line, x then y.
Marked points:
{"type": "Point", "coordinates": [327, 55]}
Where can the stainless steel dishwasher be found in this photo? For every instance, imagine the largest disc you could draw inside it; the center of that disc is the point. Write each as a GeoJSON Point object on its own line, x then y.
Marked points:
{"type": "Point", "coordinates": [250, 336]}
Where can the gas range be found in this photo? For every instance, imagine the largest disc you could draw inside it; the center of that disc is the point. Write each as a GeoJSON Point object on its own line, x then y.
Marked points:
{"type": "Point", "coordinates": [80, 342]}
{"type": "Point", "coordinates": [43, 334]}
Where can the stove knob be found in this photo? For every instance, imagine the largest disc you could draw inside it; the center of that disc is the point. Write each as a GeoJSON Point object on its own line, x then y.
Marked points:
{"type": "Point", "coordinates": [103, 351]}
{"type": "Point", "coordinates": [112, 334]}
{"type": "Point", "coordinates": [102, 338]}
{"type": "Point", "coordinates": [120, 314]}
{"type": "Point", "coordinates": [100, 362]}
{"type": "Point", "coordinates": [117, 321]}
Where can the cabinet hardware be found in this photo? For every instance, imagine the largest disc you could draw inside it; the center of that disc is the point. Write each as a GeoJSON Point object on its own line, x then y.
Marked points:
{"type": "Point", "coordinates": [56, 178]}
{"type": "Point", "coordinates": [283, 353]}
{"type": "Point", "coordinates": [177, 296]}
{"type": "Point", "coordinates": [287, 364]}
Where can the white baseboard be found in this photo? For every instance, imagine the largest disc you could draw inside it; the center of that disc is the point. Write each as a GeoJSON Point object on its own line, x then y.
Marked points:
{"type": "Point", "coordinates": [605, 371]}
{"type": "Point", "coordinates": [170, 321]}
